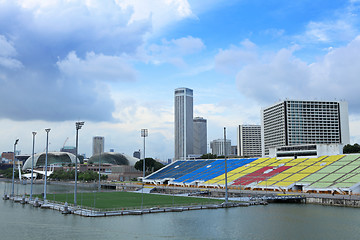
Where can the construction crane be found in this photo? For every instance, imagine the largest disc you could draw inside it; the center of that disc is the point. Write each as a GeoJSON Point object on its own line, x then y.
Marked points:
{"type": "Point", "coordinates": [65, 142]}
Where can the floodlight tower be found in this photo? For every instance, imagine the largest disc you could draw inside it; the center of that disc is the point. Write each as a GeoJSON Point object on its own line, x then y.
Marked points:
{"type": "Point", "coordinates": [13, 180]}
{"type": "Point", "coordinates": [226, 180]}
{"type": "Point", "coordinates": [78, 126]}
{"type": "Point", "coordinates": [46, 159]}
{"type": "Point", "coordinates": [32, 165]}
{"type": "Point", "coordinates": [99, 187]}
{"type": "Point", "coordinates": [144, 134]}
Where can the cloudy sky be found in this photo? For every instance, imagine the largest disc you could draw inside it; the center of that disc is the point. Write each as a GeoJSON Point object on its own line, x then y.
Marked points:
{"type": "Point", "coordinates": [115, 64]}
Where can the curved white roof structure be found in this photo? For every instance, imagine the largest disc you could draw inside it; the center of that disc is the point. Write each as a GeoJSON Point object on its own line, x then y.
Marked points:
{"type": "Point", "coordinates": [54, 158]}
{"type": "Point", "coordinates": [114, 158]}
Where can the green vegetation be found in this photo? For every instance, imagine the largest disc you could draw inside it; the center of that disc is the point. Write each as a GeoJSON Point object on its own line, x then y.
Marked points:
{"type": "Point", "coordinates": [209, 156]}
{"type": "Point", "coordinates": [151, 165]}
{"type": "Point", "coordinates": [7, 173]}
{"type": "Point", "coordinates": [351, 148]}
{"type": "Point", "coordinates": [127, 200]}
{"type": "Point", "coordinates": [82, 176]}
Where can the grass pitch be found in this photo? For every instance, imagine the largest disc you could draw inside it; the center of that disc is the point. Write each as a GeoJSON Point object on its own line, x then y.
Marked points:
{"type": "Point", "coordinates": [127, 200]}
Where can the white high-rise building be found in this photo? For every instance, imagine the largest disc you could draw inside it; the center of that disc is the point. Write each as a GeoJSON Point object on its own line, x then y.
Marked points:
{"type": "Point", "coordinates": [183, 123]}
{"type": "Point", "coordinates": [200, 136]}
{"type": "Point", "coordinates": [98, 145]}
{"type": "Point", "coordinates": [249, 140]}
{"type": "Point", "coordinates": [293, 123]}
{"type": "Point", "coordinates": [218, 147]}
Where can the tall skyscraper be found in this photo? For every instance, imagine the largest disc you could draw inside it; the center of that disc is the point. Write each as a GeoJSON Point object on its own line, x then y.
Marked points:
{"type": "Point", "coordinates": [183, 123]}
{"type": "Point", "coordinates": [98, 145]}
{"type": "Point", "coordinates": [200, 136]}
{"type": "Point", "coordinates": [249, 140]}
{"type": "Point", "coordinates": [290, 123]}
{"type": "Point", "coordinates": [218, 147]}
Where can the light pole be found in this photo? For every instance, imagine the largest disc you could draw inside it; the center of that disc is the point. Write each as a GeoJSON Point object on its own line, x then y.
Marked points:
{"type": "Point", "coordinates": [226, 187]}
{"type": "Point", "coordinates": [13, 180]}
{"type": "Point", "coordinates": [46, 160]}
{"type": "Point", "coordinates": [144, 134]}
{"type": "Point", "coordinates": [78, 126]}
{"type": "Point", "coordinates": [99, 167]}
{"type": "Point", "coordinates": [32, 165]}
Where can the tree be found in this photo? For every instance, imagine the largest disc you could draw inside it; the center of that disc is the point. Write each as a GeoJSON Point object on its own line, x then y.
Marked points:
{"type": "Point", "coordinates": [351, 148]}
{"type": "Point", "coordinates": [151, 165]}
{"type": "Point", "coordinates": [7, 173]}
{"type": "Point", "coordinates": [209, 156]}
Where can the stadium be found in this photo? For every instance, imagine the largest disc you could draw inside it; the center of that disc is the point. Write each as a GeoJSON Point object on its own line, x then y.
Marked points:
{"type": "Point", "coordinates": [335, 174]}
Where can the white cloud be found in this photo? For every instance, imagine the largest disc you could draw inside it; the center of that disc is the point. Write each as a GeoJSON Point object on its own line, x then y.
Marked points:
{"type": "Point", "coordinates": [327, 32]}
{"type": "Point", "coordinates": [232, 59]}
{"type": "Point", "coordinates": [174, 50]}
{"type": "Point", "coordinates": [7, 54]}
{"type": "Point", "coordinates": [65, 50]}
{"type": "Point", "coordinates": [96, 67]}
{"type": "Point", "coordinates": [161, 12]}
{"type": "Point", "coordinates": [282, 75]}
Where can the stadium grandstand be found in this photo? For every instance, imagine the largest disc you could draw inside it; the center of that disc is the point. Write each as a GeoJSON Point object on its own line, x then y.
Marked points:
{"type": "Point", "coordinates": [325, 174]}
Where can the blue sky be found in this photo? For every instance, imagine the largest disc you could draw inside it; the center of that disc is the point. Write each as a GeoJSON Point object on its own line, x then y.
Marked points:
{"type": "Point", "coordinates": [115, 64]}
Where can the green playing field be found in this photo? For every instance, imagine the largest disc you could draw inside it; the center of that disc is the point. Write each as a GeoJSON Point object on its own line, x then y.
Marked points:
{"type": "Point", "coordinates": [127, 200]}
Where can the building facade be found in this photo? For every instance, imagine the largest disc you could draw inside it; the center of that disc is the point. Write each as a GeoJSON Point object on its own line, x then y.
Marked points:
{"type": "Point", "coordinates": [218, 147]}
{"type": "Point", "coordinates": [249, 140]}
{"type": "Point", "coordinates": [234, 151]}
{"type": "Point", "coordinates": [98, 145]}
{"type": "Point", "coordinates": [291, 123]}
{"type": "Point", "coordinates": [137, 154]}
{"type": "Point", "coordinates": [200, 136]}
{"type": "Point", "coordinates": [183, 123]}
{"type": "Point", "coordinates": [69, 149]}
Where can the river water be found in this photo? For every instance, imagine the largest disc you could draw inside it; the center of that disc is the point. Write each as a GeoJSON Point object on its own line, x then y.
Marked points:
{"type": "Point", "coordinates": [274, 221]}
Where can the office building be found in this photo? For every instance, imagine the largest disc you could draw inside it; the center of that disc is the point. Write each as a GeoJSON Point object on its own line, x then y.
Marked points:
{"type": "Point", "coordinates": [234, 151]}
{"type": "Point", "coordinates": [137, 154]}
{"type": "Point", "coordinates": [200, 136]}
{"type": "Point", "coordinates": [295, 123]}
{"type": "Point", "coordinates": [218, 147]}
{"type": "Point", "coordinates": [183, 123]}
{"type": "Point", "coordinates": [249, 140]}
{"type": "Point", "coordinates": [69, 149]}
{"type": "Point", "coordinates": [98, 145]}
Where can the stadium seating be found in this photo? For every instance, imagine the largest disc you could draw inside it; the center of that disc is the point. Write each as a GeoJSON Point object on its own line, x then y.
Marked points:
{"type": "Point", "coordinates": [337, 172]}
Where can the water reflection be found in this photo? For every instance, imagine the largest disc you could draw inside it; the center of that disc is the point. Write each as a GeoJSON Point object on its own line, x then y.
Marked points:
{"type": "Point", "coordinates": [275, 221]}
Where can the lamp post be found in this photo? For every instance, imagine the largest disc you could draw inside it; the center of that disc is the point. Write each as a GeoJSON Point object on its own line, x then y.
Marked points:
{"type": "Point", "coordinates": [46, 159]}
{"type": "Point", "coordinates": [13, 180]}
{"type": "Point", "coordinates": [78, 126]}
{"type": "Point", "coordinates": [32, 165]}
{"type": "Point", "coordinates": [226, 187]}
{"type": "Point", "coordinates": [144, 134]}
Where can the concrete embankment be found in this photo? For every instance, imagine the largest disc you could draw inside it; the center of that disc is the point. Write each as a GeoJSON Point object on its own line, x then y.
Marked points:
{"type": "Point", "coordinates": [341, 202]}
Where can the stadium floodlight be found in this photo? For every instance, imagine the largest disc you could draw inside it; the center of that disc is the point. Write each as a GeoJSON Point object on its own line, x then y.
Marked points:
{"type": "Point", "coordinates": [13, 177]}
{"type": "Point", "coordinates": [78, 126]}
{"type": "Point", "coordinates": [32, 165]}
{"type": "Point", "coordinates": [46, 160]}
{"type": "Point", "coordinates": [144, 134]}
{"type": "Point", "coordinates": [99, 187]}
{"type": "Point", "coordinates": [225, 153]}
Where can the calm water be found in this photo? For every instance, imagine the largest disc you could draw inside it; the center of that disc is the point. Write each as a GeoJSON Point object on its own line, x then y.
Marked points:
{"type": "Point", "coordinates": [275, 221]}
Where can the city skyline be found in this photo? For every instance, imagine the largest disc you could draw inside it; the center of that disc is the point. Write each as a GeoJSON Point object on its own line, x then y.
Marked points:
{"type": "Point", "coordinates": [115, 66]}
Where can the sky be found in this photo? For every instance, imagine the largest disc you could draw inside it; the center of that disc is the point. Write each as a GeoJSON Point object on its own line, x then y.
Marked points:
{"type": "Point", "coordinates": [115, 64]}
